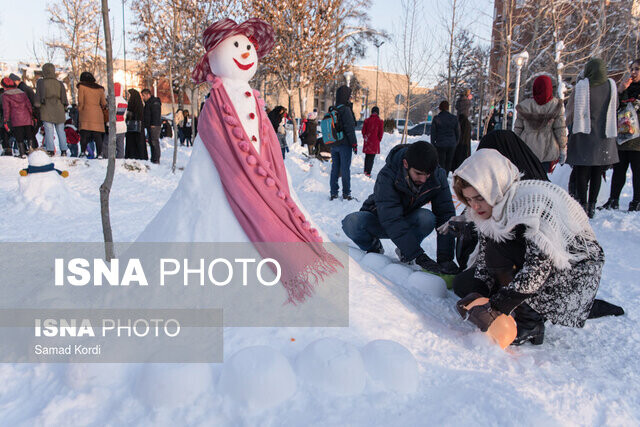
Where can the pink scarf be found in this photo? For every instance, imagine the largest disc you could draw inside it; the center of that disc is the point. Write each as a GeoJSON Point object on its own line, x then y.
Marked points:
{"type": "Point", "coordinates": [257, 189]}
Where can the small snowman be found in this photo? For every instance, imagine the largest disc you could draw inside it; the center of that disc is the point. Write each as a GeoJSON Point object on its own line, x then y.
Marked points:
{"type": "Point", "coordinates": [40, 162]}
{"type": "Point", "coordinates": [41, 187]}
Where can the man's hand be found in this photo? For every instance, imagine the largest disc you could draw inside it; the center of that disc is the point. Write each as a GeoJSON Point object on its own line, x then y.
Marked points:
{"type": "Point", "coordinates": [449, 267]}
{"type": "Point", "coordinates": [429, 265]}
{"type": "Point", "coordinates": [458, 226]}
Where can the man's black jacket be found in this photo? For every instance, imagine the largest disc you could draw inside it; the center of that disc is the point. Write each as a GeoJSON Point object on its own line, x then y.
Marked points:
{"type": "Point", "coordinates": [392, 200]}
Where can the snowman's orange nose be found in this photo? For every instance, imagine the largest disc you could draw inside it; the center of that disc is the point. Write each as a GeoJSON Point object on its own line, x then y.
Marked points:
{"type": "Point", "coordinates": [245, 55]}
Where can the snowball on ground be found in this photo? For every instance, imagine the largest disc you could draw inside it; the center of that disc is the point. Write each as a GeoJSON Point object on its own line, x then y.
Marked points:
{"type": "Point", "coordinates": [391, 366]}
{"type": "Point", "coordinates": [427, 284]}
{"type": "Point", "coordinates": [172, 385]}
{"type": "Point", "coordinates": [258, 378]}
{"type": "Point", "coordinates": [333, 366]}
{"type": "Point", "coordinates": [397, 273]}
{"type": "Point", "coordinates": [375, 262]}
{"type": "Point", "coordinates": [85, 376]}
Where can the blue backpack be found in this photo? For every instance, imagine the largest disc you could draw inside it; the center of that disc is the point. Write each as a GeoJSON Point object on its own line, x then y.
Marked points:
{"type": "Point", "coordinates": [331, 126]}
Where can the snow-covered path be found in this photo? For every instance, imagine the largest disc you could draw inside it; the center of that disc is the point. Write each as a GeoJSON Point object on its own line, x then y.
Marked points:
{"type": "Point", "coordinates": [588, 376]}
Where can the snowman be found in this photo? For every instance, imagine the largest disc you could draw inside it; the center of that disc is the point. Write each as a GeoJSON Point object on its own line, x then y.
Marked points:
{"type": "Point", "coordinates": [42, 187]}
{"type": "Point", "coordinates": [235, 187]}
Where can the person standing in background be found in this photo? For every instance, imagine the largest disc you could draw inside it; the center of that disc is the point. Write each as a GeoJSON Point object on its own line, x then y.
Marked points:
{"type": "Point", "coordinates": [51, 99]}
{"type": "Point", "coordinates": [91, 103]}
{"type": "Point", "coordinates": [372, 132]}
{"type": "Point", "coordinates": [152, 122]}
{"type": "Point", "coordinates": [463, 110]}
{"type": "Point", "coordinates": [591, 115]}
{"type": "Point", "coordinates": [445, 133]}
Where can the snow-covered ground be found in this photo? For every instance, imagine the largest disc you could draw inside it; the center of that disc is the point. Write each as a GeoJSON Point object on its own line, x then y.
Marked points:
{"type": "Point", "coordinates": [432, 368]}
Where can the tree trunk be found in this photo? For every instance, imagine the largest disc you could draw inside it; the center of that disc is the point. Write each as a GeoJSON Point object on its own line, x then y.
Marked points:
{"type": "Point", "coordinates": [105, 188]}
{"type": "Point", "coordinates": [173, 101]}
{"type": "Point", "coordinates": [451, 37]}
{"type": "Point", "coordinates": [508, 29]}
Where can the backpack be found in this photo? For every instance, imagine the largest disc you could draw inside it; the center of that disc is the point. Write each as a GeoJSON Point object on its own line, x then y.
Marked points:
{"type": "Point", "coordinates": [331, 126]}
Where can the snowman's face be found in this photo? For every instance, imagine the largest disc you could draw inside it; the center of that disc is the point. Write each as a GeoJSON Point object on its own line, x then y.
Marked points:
{"type": "Point", "coordinates": [234, 58]}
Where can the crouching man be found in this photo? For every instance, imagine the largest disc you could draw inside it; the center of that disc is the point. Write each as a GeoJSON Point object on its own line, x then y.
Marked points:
{"type": "Point", "coordinates": [410, 179]}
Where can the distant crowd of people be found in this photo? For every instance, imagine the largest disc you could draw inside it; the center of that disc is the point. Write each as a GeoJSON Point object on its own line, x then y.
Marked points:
{"type": "Point", "coordinates": [81, 129]}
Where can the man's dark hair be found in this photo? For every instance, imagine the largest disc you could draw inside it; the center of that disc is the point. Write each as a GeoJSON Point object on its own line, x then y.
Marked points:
{"type": "Point", "coordinates": [444, 106]}
{"type": "Point", "coordinates": [375, 110]}
{"type": "Point", "coordinates": [422, 156]}
{"type": "Point", "coordinates": [147, 91]}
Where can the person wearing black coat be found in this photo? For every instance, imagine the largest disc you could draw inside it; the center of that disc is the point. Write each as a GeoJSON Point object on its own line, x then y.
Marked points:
{"type": "Point", "coordinates": [135, 145]}
{"type": "Point", "coordinates": [410, 179]}
{"type": "Point", "coordinates": [463, 109]}
{"type": "Point", "coordinates": [342, 149]}
{"type": "Point", "coordinates": [310, 134]}
{"type": "Point", "coordinates": [152, 122]}
{"type": "Point", "coordinates": [445, 133]}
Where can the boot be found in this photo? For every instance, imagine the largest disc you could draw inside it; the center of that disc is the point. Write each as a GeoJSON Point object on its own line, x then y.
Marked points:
{"type": "Point", "coordinates": [22, 148]}
{"type": "Point", "coordinates": [601, 308]}
{"type": "Point", "coordinates": [530, 325]}
{"type": "Point", "coordinates": [634, 205]}
{"type": "Point", "coordinates": [591, 210]}
{"type": "Point", "coordinates": [50, 153]}
{"type": "Point", "coordinates": [63, 153]}
{"type": "Point", "coordinates": [535, 335]}
{"type": "Point", "coordinates": [611, 204]}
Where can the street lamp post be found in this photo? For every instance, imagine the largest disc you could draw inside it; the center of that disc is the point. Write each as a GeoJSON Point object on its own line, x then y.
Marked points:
{"type": "Point", "coordinates": [377, 44]}
{"type": "Point", "coordinates": [520, 60]}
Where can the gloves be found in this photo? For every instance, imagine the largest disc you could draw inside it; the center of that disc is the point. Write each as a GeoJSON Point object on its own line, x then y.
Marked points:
{"type": "Point", "coordinates": [449, 267]}
{"type": "Point", "coordinates": [481, 315]}
{"type": "Point", "coordinates": [355, 149]}
{"type": "Point", "coordinates": [506, 300]}
{"type": "Point", "coordinates": [6, 127]}
{"type": "Point", "coordinates": [458, 226]}
{"type": "Point", "coordinates": [563, 155]}
{"type": "Point", "coordinates": [426, 263]}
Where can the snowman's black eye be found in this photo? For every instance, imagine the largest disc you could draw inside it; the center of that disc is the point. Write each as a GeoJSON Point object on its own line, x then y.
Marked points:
{"type": "Point", "coordinates": [248, 47]}
{"type": "Point", "coordinates": [236, 44]}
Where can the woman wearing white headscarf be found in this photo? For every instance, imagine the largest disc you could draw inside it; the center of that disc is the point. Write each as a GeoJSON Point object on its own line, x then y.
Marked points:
{"type": "Point", "coordinates": [537, 258]}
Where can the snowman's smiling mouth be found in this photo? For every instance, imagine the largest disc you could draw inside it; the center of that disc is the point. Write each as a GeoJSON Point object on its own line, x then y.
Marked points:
{"type": "Point", "coordinates": [243, 66]}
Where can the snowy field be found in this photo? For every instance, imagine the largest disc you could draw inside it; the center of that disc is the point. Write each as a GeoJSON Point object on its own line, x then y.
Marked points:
{"type": "Point", "coordinates": [433, 370]}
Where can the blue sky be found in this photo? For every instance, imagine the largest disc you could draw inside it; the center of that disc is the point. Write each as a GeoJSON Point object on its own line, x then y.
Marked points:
{"type": "Point", "coordinates": [26, 22]}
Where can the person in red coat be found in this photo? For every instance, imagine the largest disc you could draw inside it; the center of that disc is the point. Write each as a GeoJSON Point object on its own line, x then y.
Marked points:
{"type": "Point", "coordinates": [17, 114]}
{"type": "Point", "coordinates": [372, 131]}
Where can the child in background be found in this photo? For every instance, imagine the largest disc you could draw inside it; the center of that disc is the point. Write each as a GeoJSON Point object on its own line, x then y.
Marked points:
{"type": "Point", "coordinates": [73, 137]}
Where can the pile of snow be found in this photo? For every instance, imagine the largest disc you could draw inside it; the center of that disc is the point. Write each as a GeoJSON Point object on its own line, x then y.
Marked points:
{"type": "Point", "coordinates": [417, 359]}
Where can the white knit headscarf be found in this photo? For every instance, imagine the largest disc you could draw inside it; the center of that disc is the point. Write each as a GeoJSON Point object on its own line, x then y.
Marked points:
{"type": "Point", "coordinates": [554, 220]}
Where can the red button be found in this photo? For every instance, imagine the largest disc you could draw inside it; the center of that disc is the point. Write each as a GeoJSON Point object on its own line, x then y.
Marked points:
{"type": "Point", "coordinates": [247, 94]}
{"type": "Point", "coordinates": [252, 116]}
{"type": "Point", "coordinates": [253, 138]}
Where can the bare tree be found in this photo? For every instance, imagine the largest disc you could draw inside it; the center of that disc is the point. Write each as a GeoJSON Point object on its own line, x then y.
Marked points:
{"type": "Point", "coordinates": [105, 188]}
{"type": "Point", "coordinates": [76, 21]}
{"type": "Point", "coordinates": [316, 41]}
{"type": "Point", "coordinates": [456, 8]}
{"type": "Point", "coordinates": [412, 52]}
